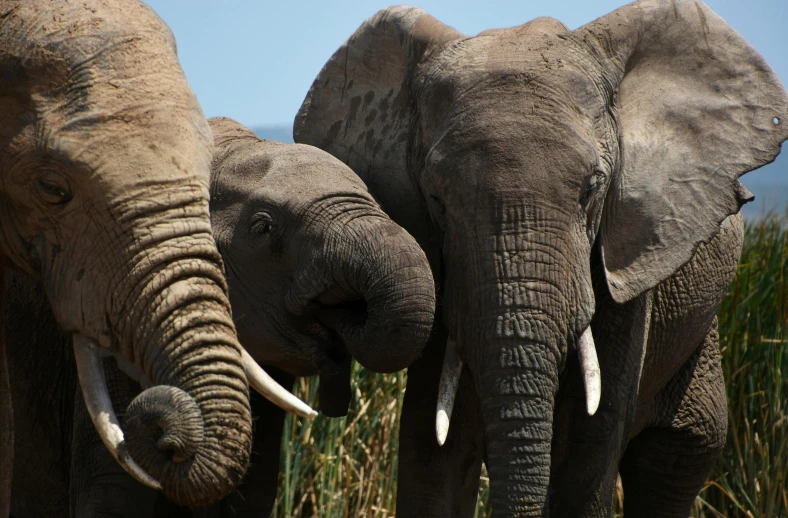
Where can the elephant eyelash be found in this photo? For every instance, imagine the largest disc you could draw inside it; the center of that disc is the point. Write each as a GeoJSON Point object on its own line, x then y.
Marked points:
{"type": "Point", "coordinates": [262, 224]}
{"type": "Point", "coordinates": [54, 193]}
{"type": "Point", "coordinates": [595, 181]}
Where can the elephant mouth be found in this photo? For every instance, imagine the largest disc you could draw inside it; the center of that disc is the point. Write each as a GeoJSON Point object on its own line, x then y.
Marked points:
{"type": "Point", "coordinates": [344, 322]}
{"type": "Point", "coordinates": [329, 351]}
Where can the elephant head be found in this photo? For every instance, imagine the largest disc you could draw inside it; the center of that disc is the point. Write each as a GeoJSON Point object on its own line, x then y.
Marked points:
{"type": "Point", "coordinates": [528, 151]}
{"type": "Point", "coordinates": [317, 271]}
{"type": "Point", "coordinates": [104, 171]}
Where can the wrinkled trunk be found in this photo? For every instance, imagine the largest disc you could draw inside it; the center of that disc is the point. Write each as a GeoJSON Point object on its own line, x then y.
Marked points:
{"type": "Point", "coordinates": [517, 391]}
{"type": "Point", "coordinates": [514, 342]}
{"type": "Point", "coordinates": [379, 295]}
{"type": "Point", "coordinates": [192, 429]}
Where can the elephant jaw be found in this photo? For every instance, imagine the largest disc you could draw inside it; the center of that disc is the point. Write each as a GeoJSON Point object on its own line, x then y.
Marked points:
{"type": "Point", "coordinates": [88, 355]}
{"type": "Point", "coordinates": [452, 368]}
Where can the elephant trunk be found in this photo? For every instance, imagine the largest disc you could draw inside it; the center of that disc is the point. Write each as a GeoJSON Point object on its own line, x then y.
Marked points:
{"type": "Point", "coordinates": [191, 430]}
{"type": "Point", "coordinates": [379, 294]}
{"type": "Point", "coordinates": [513, 337]}
{"type": "Point", "coordinates": [518, 391]}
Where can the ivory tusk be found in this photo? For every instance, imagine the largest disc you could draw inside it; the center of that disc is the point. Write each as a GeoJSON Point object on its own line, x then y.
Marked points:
{"type": "Point", "coordinates": [447, 391]}
{"type": "Point", "coordinates": [589, 367]}
{"type": "Point", "coordinates": [273, 391]}
{"type": "Point", "coordinates": [94, 389]}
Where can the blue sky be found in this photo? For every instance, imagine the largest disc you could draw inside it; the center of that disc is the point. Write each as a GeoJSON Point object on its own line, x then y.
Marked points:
{"type": "Point", "coordinates": [254, 60]}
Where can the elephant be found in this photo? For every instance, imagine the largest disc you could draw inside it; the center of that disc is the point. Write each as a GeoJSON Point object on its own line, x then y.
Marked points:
{"type": "Point", "coordinates": [577, 196]}
{"type": "Point", "coordinates": [318, 275]}
{"type": "Point", "coordinates": [104, 177]}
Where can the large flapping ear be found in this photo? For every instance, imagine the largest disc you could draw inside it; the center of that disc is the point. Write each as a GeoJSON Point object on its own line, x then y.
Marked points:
{"type": "Point", "coordinates": [358, 108]}
{"type": "Point", "coordinates": [697, 108]}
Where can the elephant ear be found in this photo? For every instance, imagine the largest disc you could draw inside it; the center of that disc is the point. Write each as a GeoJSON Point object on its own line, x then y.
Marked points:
{"type": "Point", "coordinates": [697, 108]}
{"type": "Point", "coordinates": [359, 107]}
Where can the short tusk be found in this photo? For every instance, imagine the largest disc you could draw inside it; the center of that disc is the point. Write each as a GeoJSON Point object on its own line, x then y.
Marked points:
{"type": "Point", "coordinates": [589, 367]}
{"type": "Point", "coordinates": [273, 391]}
{"type": "Point", "coordinates": [99, 405]}
{"type": "Point", "coordinates": [447, 391]}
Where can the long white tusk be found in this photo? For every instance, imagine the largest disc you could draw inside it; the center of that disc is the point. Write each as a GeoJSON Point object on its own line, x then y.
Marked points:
{"type": "Point", "coordinates": [273, 391]}
{"type": "Point", "coordinates": [589, 367]}
{"type": "Point", "coordinates": [447, 391]}
{"type": "Point", "coordinates": [94, 389]}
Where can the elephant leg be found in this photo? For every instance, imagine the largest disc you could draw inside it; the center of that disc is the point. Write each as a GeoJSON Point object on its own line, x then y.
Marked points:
{"type": "Point", "coordinates": [433, 480]}
{"type": "Point", "coordinates": [255, 497]}
{"type": "Point", "coordinates": [99, 486]}
{"type": "Point", "coordinates": [665, 466]}
{"type": "Point", "coordinates": [586, 449]}
{"type": "Point", "coordinates": [6, 420]}
{"type": "Point", "coordinates": [43, 380]}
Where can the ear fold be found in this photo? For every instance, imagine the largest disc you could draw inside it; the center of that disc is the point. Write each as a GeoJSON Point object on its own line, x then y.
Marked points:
{"type": "Point", "coordinates": [697, 108]}
{"type": "Point", "coordinates": [358, 108]}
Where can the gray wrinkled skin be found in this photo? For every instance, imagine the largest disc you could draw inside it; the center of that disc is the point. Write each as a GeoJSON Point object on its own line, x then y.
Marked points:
{"type": "Point", "coordinates": [104, 171]}
{"type": "Point", "coordinates": [282, 215]}
{"type": "Point", "coordinates": [316, 269]}
{"type": "Point", "coordinates": [558, 179]}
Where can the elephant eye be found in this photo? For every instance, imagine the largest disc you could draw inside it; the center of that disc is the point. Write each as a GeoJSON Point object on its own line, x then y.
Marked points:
{"type": "Point", "coordinates": [595, 181]}
{"type": "Point", "coordinates": [54, 189]}
{"type": "Point", "coordinates": [262, 224]}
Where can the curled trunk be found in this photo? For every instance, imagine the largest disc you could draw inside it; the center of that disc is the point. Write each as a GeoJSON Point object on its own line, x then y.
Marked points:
{"type": "Point", "coordinates": [379, 295]}
{"type": "Point", "coordinates": [192, 429]}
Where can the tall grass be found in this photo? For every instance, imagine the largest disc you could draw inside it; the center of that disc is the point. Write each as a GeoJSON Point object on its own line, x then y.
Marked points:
{"type": "Point", "coordinates": [751, 478]}
{"type": "Point", "coordinates": [342, 468]}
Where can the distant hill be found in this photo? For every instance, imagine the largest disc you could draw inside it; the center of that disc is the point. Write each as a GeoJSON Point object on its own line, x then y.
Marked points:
{"type": "Point", "coordinates": [769, 184]}
{"type": "Point", "coordinates": [279, 133]}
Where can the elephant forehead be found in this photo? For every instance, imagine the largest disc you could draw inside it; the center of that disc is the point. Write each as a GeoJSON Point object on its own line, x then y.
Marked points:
{"type": "Point", "coordinates": [524, 68]}
{"type": "Point", "coordinates": [281, 173]}
{"type": "Point", "coordinates": [306, 169]}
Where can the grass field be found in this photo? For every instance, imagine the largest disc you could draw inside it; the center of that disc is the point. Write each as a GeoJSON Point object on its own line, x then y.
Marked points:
{"type": "Point", "coordinates": [339, 468]}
